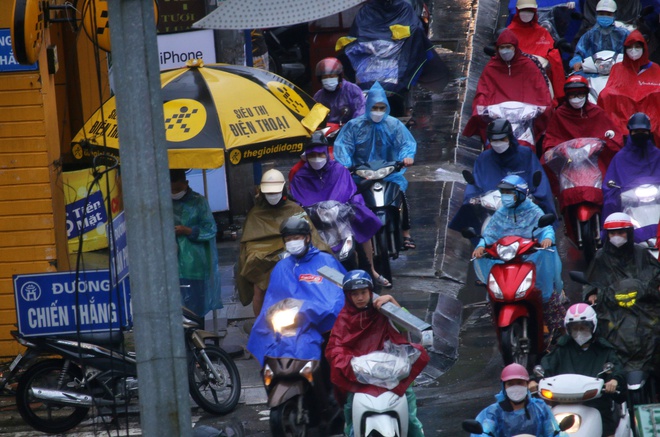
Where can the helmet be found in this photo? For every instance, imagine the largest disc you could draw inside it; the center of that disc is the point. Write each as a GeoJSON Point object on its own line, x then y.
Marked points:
{"type": "Point", "coordinates": [618, 220]}
{"type": "Point", "coordinates": [576, 82]}
{"type": "Point", "coordinates": [581, 312]}
{"type": "Point", "coordinates": [272, 182]}
{"type": "Point", "coordinates": [514, 182]}
{"type": "Point", "coordinates": [317, 143]}
{"type": "Point", "coordinates": [499, 129]}
{"type": "Point", "coordinates": [329, 66]}
{"type": "Point", "coordinates": [527, 4]}
{"type": "Point", "coordinates": [295, 225]}
{"type": "Point", "coordinates": [356, 280]}
{"type": "Point", "coordinates": [639, 120]}
{"type": "Point", "coordinates": [606, 6]}
{"type": "Point", "coordinates": [514, 371]}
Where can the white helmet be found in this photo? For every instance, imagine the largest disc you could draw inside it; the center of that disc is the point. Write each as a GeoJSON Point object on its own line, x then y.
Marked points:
{"type": "Point", "coordinates": [581, 312]}
{"type": "Point", "coordinates": [527, 4]}
{"type": "Point", "coordinates": [272, 182]}
{"type": "Point", "coordinates": [606, 6]}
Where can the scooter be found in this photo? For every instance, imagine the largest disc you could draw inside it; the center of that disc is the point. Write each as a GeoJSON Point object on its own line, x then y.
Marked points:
{"type": "Point", "coordinates": [575, 165]}
{"type": "Point", "coordinates": [597, 69]}
{"type": "Point", "coordinates": [93, 370]}
{"type": "Point", "coordinates": [517, 305]}
{"type": "Point", "coordinates": [385, 199]}
{"type": "Point", "coordinates": [570, 391]}
{"type": "Point", "coordinates": [474, 427]}
{"type": "Point", "coordinates": [520, 115]}
{"type": "Point", "coordinates": [332, 221]}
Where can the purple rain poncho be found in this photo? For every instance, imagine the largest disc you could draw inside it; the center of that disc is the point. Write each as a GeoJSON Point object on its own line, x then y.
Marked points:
{"type": "Point", "coordinates": [347, 95]}
{"type": "Point", "coordinates": [334, 182]}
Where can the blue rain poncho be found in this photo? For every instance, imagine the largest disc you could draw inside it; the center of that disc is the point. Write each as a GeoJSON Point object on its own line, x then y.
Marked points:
{"type": "Point", "coordinates": [520, 221]}
{"type": "Point", "coordinates": [361, 140]}
{"type": "Point", "coordinates": [535, 419]}
{"type": "Point", "coordinates": [599, 38]}
{"type": "Point", "coordinates": [199, 271]}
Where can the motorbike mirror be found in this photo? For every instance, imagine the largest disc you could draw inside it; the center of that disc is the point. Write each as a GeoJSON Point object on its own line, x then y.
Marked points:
{"type": "Point", "coordinates": [578, 277]}
{"type": "Point", "coordinates": [489, 50]}
{"type": "Point", "coordinates": [537, 177]}
{"type": "Point", "coordinates": [473, 427]}
{"type": "Point", "coordinates": [538, 371]}
{"type": "Point", "coordinates": [469, 233]}
{"type": "Point", "coordinates": [647, 10]}
{"type": "Point", "coordinates": [607, 368]}
{"type": "Point", "coordinates": [469, 177]}
{"type": "Point", "coordinates": [546, 220]}
{"type": "Point", "coordinates": [566, 423]}
{"type": "Point", "coordinates": [563, 46]}
{"type": "Point", "coordinates": [575, 15]}
{"type": "Point", "coordinates": [612, 184]}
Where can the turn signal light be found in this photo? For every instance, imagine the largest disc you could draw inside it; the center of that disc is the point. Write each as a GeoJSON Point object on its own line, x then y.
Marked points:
{"type": "Point", "coordinates": [306, 372]}
{"type": "Point", "coordinates": [547, 394]}
{"type": "Point", "coordinates": [590, 394]}
{"type": "Point", "coordinates": [268, 375]}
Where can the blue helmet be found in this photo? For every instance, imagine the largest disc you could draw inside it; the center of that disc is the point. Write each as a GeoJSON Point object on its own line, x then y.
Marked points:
{"type": "Point", "coordinates": [356, 280]}
{"type": "Point", "coordinates": [515, 182]}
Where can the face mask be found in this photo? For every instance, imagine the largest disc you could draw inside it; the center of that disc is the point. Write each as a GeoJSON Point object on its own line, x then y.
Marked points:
{"type": "Point", "coordinates": [577, 102]}
{"type": "Point", "coordinates": [618, 240]}
{"type": "Point", "coordinates": [640, 140]}
{"type": "Point", "coordinates": [499, 146]}
{"type": "Point", "coordinates": [581, 337]}
{"type": "Point", "coordinates": [330, 84]}
{"type": "Point", "coordinates": [377, 116]}
{"type": "Point", "coordinates": [516, 393]}
{"type": "Point", "coordinates": [179, 195]}
{"type": "Point", "coordinates": [604, 21]}
{"type": "Point", "coordinates": [525, 16]}
{"type": "Point", "coordinates": [273, 198]}
{"type": "Point", "coordinates": [509, 200]}
{"type": "Point", "coordinates": [634, 53]}
{"type": "Point", "coordinates": [295, 247]}
{"type": "Point", "coordinates": [507, 54]}
{"type": "Point", "coordinates": [317, 163]}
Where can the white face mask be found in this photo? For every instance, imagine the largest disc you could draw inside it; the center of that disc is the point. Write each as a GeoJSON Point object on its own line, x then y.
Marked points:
{"type": "Point", "coordinates": [507, 54]}
{"type": "Point", "coordinates": [634, 53]}
{"type": "Point", "coordinates": [618, 240]}
{"type": "Point", "coordinates": [377, 116]}
{"type": "Point", "coordinates": [330, 84]}
{"type": "Point", "coordinates": [577, 102]}
{"type": "Point", "coordinates": [179, 195]}
{"type": "Point", "coordinates": [273, 198]}
{"type": "Point", "coordinates": [581, 337]}
{"type": "Point", "coordinates": [526, 16]}
{"type": "Point", "coordinates": [499, 146]}
{"type": "Point", "coordinates": [317, 163]}
{"type": "Point", "coordinates": [295, 247]}
{"type": "Point", "coordinates": [516, 393]}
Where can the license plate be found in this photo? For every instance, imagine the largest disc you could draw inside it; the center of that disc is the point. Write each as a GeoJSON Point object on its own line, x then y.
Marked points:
{"type": "Point", "coordinates": [15, 362]}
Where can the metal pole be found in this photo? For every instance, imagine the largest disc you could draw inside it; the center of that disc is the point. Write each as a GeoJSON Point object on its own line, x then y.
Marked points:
{"type": "Point", "coordinates": [161, 355]}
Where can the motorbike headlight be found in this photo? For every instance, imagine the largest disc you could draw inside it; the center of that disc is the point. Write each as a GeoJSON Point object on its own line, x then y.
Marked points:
{"type": "Point", "coordinates": [577, 421]}
{"type": "Point", "coordinates": [578, 155]}
{"type": "Point", "coordinates": [346, 249]}
{"type": "Point", "coordinates": [366, 174]}
{"type": "Point", "coordinates": [507, 253]}
{"type": "Point", "coordinates": [525, 285]}
{"type": "Point", "coordinates": [382, 172]}
{"type": "Point", "coordinates": [283, 320]}
{"type": "Point", "coordinates": [306, 372]}
{"type": "Point", "coordinates": [646, 193]}
{"type": "Point", "coordinates": [494, 287]}
{"type": "Point", "coordinates": [268, 375]}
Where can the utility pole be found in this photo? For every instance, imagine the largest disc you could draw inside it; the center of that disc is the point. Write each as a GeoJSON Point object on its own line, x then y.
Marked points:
{"type": "Point", "coordinates": [159, 344]}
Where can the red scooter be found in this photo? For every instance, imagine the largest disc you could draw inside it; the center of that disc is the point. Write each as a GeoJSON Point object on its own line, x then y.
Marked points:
{"type": "Point", "coordinates": [516, 304]}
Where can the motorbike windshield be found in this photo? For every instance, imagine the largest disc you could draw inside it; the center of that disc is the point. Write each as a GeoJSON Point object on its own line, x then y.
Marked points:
{"type": "Point", "coordinates": [575, 163]}
{"type": "Point", "coordinates": [642, 203]}
{"type": "Point", "coordinates": [386, 368]}
{"type": "Point", "coordinates": [520, 115]}
{"type": "Point", "coordinates": [376, 61]}
{"type": "Point", "coordinates": [332, 220]}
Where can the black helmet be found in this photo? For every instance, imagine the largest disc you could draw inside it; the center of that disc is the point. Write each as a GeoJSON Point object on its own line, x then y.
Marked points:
{"type": "Point", "coordinates": [639, 120]}
{"type": "Point", "coordinates": [295, 225]}
{"type": "Point", "coordinates": [317, 139]}
{"type": "Point", "coordinates": [499, 129]}
{"type": "Point", "coordinates": [356, 280]}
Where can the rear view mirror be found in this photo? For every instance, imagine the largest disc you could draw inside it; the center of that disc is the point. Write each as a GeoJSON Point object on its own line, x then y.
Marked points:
{"type": "Point", "coordinates": [578, 277]}
{"type": "Point", "coordinates": [472, 426]}
{"type": "Point", "coordinates": [537, 177]}
{"type": "Point", "coordinates": [469, 177]}
{"type": "Point", "coordinates": [546, 220]}
{"type": "Point", "coordinates": [469, 233]}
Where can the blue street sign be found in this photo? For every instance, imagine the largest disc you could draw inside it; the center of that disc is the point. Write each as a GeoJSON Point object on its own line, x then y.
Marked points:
{"type": "Point", "coordinates": [7, 60]}
{"type": "Point", "coordinates": [55, 303]}
{"type": "Point", "coordinates": [118, 248]}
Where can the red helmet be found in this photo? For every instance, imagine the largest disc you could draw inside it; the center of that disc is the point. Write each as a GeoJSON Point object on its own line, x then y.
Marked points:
{"type": "Point", "coordinates": [329, 66]}
{"type": "Point", "coordinates": [576, 83]}
{"type": "Point", "coordinates": [618, 220]}
{"type": "Point", "coordinates": [514, 371]}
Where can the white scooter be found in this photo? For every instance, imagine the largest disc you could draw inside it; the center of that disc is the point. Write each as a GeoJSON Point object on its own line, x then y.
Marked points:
{"type": "Point", "coordinates": [597, 70]}
{"type": "Point", "coordinates": [569, 391]}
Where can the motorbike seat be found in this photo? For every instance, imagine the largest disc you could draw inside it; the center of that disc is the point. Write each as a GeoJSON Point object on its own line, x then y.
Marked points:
{"type": "Point", "coordinates": [101, 338]}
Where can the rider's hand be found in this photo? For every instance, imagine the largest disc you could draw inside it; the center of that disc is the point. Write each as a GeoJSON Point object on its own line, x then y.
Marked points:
{"type": "Point", "coordinates": [592, 298]}
{"type": "Point", "coordinates": [407, 162]}
{"type": "Point", "coordinates": [533, 386]}
{"type": "Point", "coordinates": [546, 243]}
{"type": "Point", "coordinates": [182, 230]}
{"type": "Point", "coordinates": [610, 386]}
{"type": "Point", "coordinates": [577, 66]}
{"type": "Point", "coordinates": [479, 252]}
{"type": "Point", "coordinates": [382, 300]}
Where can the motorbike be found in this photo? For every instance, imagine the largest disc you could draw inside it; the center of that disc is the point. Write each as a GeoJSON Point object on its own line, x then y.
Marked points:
{"type": "Point", "coordinates": [474, 427]}
{"type": "Point", "coordinates": [332, 221]}
{"type": "Point", "coordinates": [385, 199]}
{"type": "Point", "coordinates": [597, 69]}
{"type": "Point", "coordinates": [575, 165]}
{"type": "Point", "coordinates": [520, 115]}
{"type": "Point", "coordinates": [63, 377]}
{"type": "Point", "coordinates": [570, 391]}
{"type": "Point", "coordinates": [516, 303]}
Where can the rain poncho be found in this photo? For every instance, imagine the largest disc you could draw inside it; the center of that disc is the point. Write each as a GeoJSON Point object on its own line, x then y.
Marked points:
{"type": "Point", "coordinates": [347, 95]}
{"type": "Point", "coordinates": [599, 38]}
{"type": "Point", "coordinates": [490, 168]}
{"type": "Point", "coordinates": [520, 221]}
{"type": "Point", "coordinates": [197, 254]}
{"type": "Point", "coordinates": [261, 244]}
{"type": "Point", "coordinates": [298, 278]}
{"type": "Point", "coordinates": [625, 11]}
{"type": "Point", "coordinates": [519, 80]}
{"type": "Point", "coordinates": [334, 182]}
{"type": "Point", "coordinates": [631, 167]}
{"type": "Point", "coordinates": [633, 86]}
{"type": "Point", "coordinates": [361, 140]}
{"type": "Point", "coordinates": [556, 15]}
{"type": "Point", "coordinates": [535, 419]}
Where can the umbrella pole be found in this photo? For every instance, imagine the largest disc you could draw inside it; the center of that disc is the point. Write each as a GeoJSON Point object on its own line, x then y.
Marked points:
{"type": "Point", "coordinates": [206, 194]}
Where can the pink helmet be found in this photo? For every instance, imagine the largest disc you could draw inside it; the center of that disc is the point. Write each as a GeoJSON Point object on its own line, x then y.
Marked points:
{"type": "Point", "coordinates": [514, 371]}
{"type": "Point", "coordinates": [581, 312]}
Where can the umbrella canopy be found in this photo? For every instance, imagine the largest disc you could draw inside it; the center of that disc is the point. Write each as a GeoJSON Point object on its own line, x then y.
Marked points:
{"type": "Point", "coordinates": [262, 14]}
{"type": "Point", "coordinates": [210, 109]}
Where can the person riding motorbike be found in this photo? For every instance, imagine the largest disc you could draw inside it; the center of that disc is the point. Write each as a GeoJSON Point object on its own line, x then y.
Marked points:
{"type": "Point", "coordinates": [344, 98]}
{"type": "Point", "coordinates": [515, 410]}
{"type": "Point", "coordinates": [261, 243]}
{"type": "Point", "coordinates": [626, 11]}
{"type": "Point", "coordinates": [359, 330]}
{"type": "Point", "coordinates": [322, 179]}
{"type": "Point", "coordinates": [633, 85]}
{"type": "Point", "coordinates": [583, 352]}
{"type": "Point", "coordinates": [518, 215]}
{"type": "Point", "coordinates": [510, 75]}
{"type": "Point", "coordinates": [638, 162]}
{"type": "Point", "coordinates": [504, 157]}
{"type": "Point", "coordinates": [604, 35]}
{"type": "Point", "coordinates": [379, 136]}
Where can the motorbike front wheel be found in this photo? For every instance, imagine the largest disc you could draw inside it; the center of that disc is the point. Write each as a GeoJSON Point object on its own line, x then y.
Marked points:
{"type": "Point", "coordinates": [284, 420]}
{"type": "Point", "coordinates": [512, 342]}
{"type": "Point", "coordinates": [382, 258]}
{"type": "Point", "coordinates": [213, 395]}
{"type": "Point", "coordinates": [588, 240]}
{"type": "Point", "coordinates": [49, 416]}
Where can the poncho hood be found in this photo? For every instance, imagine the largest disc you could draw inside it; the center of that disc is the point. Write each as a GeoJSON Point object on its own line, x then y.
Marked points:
{"type": "Point", "coordinates": [636, 37]}
{"type": "Point", "coordinates": [377, 95]}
